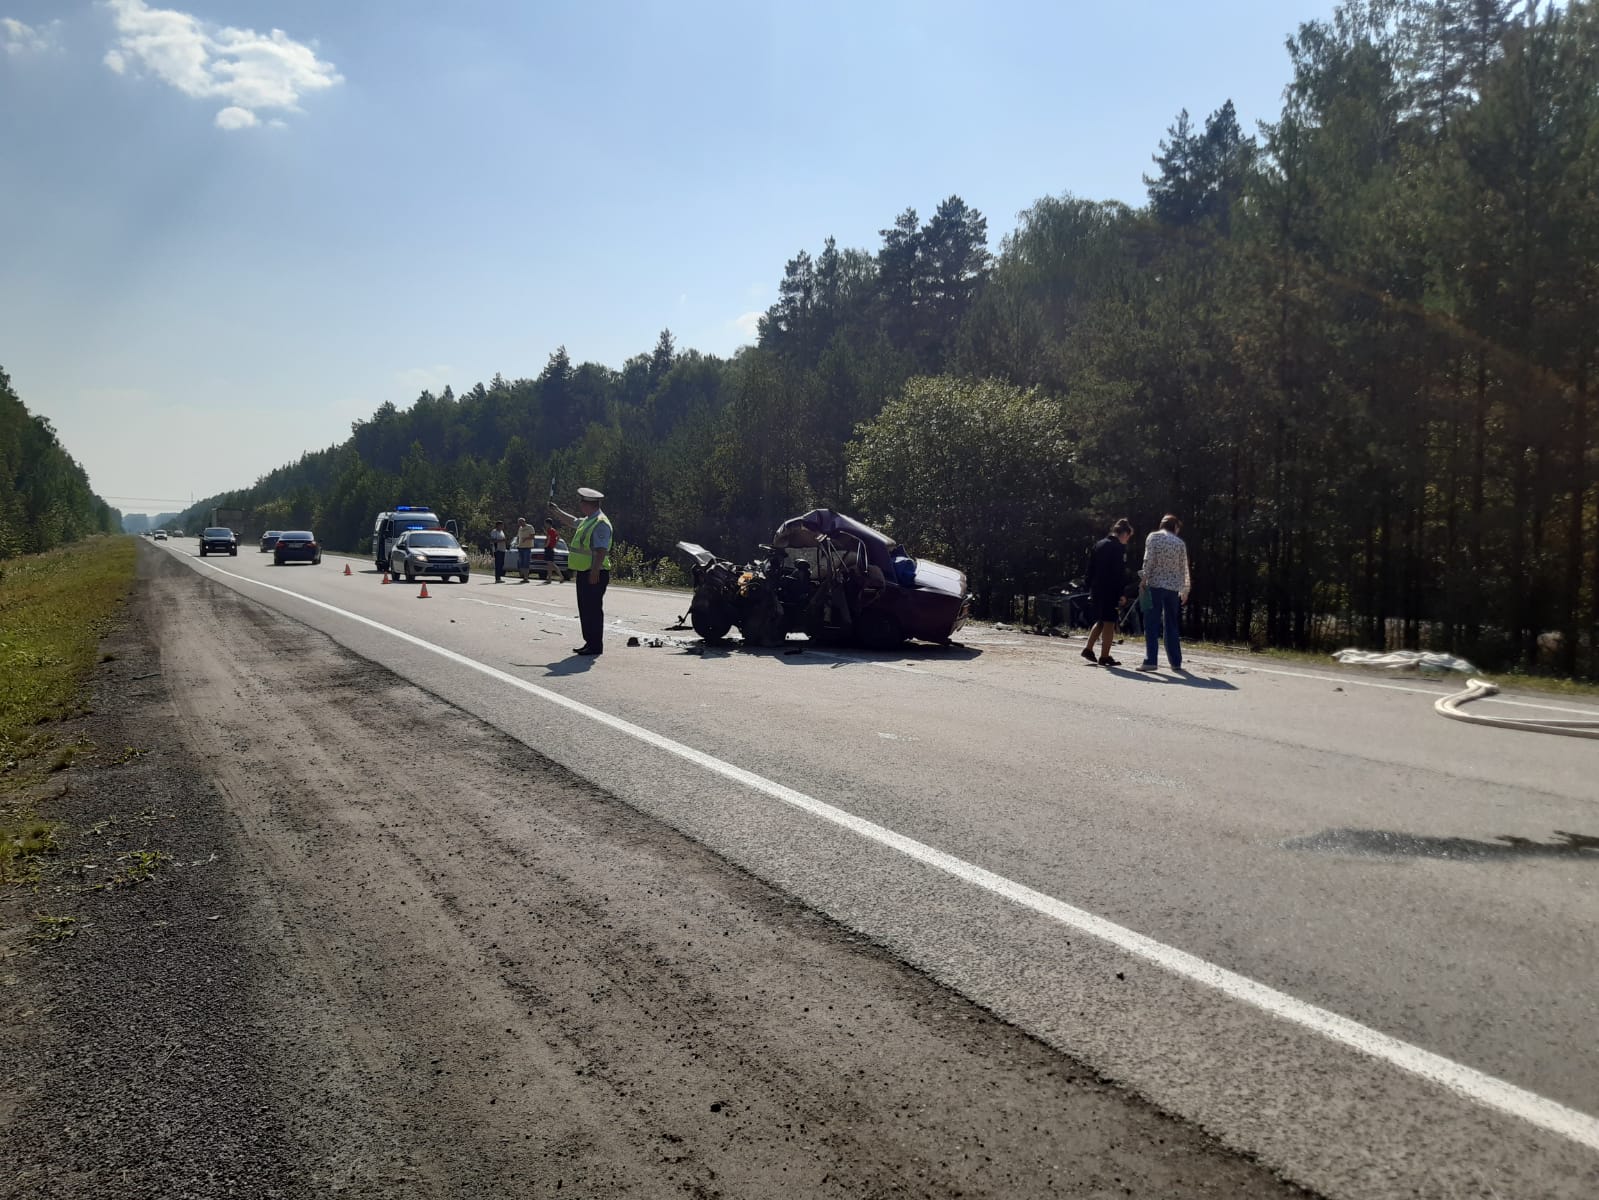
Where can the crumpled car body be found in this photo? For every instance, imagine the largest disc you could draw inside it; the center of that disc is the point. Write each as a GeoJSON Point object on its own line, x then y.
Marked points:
{"type": "Point", "coordinates": [835, 579]}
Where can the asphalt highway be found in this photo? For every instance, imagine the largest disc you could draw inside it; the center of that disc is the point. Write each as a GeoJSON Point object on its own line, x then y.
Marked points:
{"type": "Point", "coordinates": [1293, 906]}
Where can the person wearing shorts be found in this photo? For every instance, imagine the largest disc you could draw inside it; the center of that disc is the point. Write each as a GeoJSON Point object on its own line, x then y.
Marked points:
{"type": "Point", "coordinates": [552, 535]}
{"type": "Point", "coordinates": [1107, 576]}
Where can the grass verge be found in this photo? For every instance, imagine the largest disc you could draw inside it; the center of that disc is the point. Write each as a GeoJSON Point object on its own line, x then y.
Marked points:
{"type": "Point", "coordinates": [1510, 680]}
{"type": "Point", "coordinates": [54, 610]}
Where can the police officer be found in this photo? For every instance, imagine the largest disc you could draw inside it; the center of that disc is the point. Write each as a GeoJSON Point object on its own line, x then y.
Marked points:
{"type": "Point", "coordinates": [588, 557]}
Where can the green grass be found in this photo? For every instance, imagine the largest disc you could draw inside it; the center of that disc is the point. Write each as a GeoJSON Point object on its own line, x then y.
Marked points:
{"type": "Point", "coordinates": [54, 929]}
{"type": "Point", "coordinates": [54, 610]}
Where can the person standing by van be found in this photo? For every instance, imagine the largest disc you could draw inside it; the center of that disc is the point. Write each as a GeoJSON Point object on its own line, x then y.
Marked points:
{"type": "Point", "coordinates": [525, 538]}
{"type": "Point", "coordinates": [1165, 577]}
{"type": "Point", "coordinates": [552, 538]}
{"type": "Point", "coordinates": [497, 543]}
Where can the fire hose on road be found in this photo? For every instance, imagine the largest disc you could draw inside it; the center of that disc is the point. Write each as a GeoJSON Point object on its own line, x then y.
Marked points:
{"type": "Point", "coordinates": [1478, 689]}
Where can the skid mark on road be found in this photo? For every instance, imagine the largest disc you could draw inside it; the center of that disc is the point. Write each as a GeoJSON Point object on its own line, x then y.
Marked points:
{"type": "Point", "coordinates": [1468, 1082]}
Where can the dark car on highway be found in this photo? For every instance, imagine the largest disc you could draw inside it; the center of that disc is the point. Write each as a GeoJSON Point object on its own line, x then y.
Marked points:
{"type": "Point", "coordinates": [296, 545]}
{"type": "Point", "coordinates": [428, 552]}
{"type": "Point", "coordinates": [270, 539]}
{"type": "Point", "coordinates": [216, 540]}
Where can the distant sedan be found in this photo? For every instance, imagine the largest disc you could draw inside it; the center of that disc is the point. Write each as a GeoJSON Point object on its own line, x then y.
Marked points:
{"type": "Point", "coordinates": [270, 539]}
{"type": "Point", "coordinates": [296, 545]}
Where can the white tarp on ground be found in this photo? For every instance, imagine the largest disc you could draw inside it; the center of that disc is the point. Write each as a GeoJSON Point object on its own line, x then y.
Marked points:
{"type": "Point", "coordinates": [1404, 660]}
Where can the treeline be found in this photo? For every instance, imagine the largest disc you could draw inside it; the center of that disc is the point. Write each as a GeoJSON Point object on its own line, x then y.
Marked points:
{"type": "Point", "coordinates": [45, 500]}
{"type": "Point", "coordinates": [1354, 350]}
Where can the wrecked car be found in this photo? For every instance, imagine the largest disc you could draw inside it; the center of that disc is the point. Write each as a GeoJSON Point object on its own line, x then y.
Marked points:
{"type": "Point", "coordinates": [833, 578]}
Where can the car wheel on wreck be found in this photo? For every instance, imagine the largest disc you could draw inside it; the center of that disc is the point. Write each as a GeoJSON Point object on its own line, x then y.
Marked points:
{"type": "Point", "coordinates": [878, 630]}
{"type": "Point", "coordinates": [710, 615]}
{"type": "Point", "coordinates": [762, 624]}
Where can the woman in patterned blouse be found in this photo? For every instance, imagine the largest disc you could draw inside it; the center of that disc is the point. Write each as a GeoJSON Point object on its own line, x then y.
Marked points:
{"type": "Point", "coordinates": [1165, 575]}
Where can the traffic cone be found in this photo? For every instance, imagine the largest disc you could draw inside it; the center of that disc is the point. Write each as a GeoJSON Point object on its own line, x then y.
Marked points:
{"type": "Point", "coordinates": [423, 594]}
{"type": "Point", "coordinates": [386, 577]}
{"type": "Point", "coordinates": [346, 568]}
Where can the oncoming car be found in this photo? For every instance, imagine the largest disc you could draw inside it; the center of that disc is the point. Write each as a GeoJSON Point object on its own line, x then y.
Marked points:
{"type": "Point", "coordinates": [269, 539]}
{"type": "Point", "coordinates": [160, 535]}
{"type": "Point", "coordinates": [296, 545]}
{"type": "Point", "coordinates": [428, 552]}
{"type": "Point", "coordinates": [217, 540]}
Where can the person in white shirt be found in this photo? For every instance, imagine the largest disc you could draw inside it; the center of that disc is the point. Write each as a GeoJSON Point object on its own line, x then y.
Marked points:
{"type": "Point", "coordinates": [1166, 580]}
{"type": "Point", "coordinates": [526, 535]}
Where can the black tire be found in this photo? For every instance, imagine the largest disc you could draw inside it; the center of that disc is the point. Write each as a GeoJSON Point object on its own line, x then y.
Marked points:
{"type": "Point", "coordinates": [879, 630]}
{"type": "Point", "coordinates": [317, 561]}
{"type": "Point", "coordinates": [762, 623]}
{"type": "Point", "coordinates": [465, 578]}
{"type": "Point", "coordinates": [202, 551]}
{"type": "Point", "coordinates": [710, 615]}
{"type": "Point", "coordinates": [234, 552]}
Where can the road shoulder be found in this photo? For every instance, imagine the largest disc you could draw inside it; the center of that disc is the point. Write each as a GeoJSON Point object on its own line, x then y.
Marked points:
{"type": "Point", "coordinates": [352, 976]}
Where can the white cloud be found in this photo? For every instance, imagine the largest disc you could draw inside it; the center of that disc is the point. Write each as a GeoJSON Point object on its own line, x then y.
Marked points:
{"type": "Point", "coordinates": [234, 117]}
{"type": "Point", "coordinates": [27, 39]}
{"type": "Point", "coordinates": [748, 324]}
{"type": "Point", "coordinates": [423, 379]}
{"type": "Point", "coordinates": [247, 70]}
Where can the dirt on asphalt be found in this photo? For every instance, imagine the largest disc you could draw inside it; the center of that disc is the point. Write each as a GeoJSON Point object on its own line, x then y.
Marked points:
{"type": "Point", "coordinates": [395, 953]}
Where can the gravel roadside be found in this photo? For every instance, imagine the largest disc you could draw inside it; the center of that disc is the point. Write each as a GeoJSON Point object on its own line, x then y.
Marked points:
{"type": "Point", "coordinates": [466, 973]}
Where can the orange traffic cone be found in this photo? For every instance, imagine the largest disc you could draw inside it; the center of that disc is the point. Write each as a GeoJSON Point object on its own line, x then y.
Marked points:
{"type": "Point", "coordinates": [423, 594]}
{"type": "Point", "coordinates": [386, 577]}
{"type": "Point", "coordinates": [346, 568]}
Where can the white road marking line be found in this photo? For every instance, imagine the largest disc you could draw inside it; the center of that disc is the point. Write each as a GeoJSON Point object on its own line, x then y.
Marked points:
{"type": "Point", "coordinates": [1468, 1082]}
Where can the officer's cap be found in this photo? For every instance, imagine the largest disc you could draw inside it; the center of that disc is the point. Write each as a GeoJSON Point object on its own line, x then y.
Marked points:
{"type": "Point", "coordinates": [590, 494]}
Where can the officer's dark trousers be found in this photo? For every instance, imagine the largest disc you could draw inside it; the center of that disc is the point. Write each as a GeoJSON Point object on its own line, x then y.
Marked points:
{"type": "Point", "coordinates": [499, 565]}
{"type": "Point", "coordinates": [591, 608]}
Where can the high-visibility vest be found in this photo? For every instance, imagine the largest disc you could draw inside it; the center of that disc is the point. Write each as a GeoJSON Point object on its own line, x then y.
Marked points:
{"type": "Point", "coordinates": [580, 550]}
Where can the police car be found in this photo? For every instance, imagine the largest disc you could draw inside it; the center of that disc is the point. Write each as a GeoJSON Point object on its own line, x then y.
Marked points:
{"type": "Point", "coordinates": [394, 524]}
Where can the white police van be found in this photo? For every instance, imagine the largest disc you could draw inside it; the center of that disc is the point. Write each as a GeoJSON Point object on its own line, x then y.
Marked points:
{"type": "Point", "coordinates": [399, 520]}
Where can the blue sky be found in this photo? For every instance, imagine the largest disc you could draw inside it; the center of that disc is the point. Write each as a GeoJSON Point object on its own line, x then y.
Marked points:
{"type": "Point", "coordinates": [219, 245]}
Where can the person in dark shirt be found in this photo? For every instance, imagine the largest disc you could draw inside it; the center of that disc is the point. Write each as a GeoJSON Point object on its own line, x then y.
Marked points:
{"type": "Point", "coordinates": [1107, 576]}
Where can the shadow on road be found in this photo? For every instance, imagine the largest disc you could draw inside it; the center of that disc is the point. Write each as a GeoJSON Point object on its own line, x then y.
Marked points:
{"type": "Point", "coordinates": [1181, 679]}
{"type": "Point", "coordinates": [800, 652]}
{"type": "Point", "coordinates": [574, 665]}
{"type": "Point", "coordinates": [1381, 843]}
